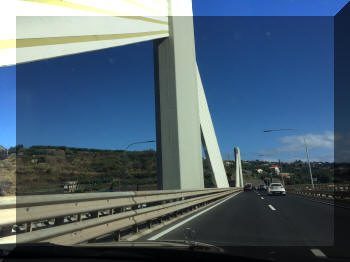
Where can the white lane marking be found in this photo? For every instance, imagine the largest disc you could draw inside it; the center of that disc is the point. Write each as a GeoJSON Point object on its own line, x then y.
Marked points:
{"type": "Point", "coordinates": [262, 198]}
{"type": "Point", "coordinates": [318, 253]}
{"type": "Point", "coordinates": [271, 207]}
{"type": "Point", "coordinates": [189, 219]}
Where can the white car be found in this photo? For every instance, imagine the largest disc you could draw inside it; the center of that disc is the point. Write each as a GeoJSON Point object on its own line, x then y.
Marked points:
{"type": "Point", "coordinates": [276, 189]}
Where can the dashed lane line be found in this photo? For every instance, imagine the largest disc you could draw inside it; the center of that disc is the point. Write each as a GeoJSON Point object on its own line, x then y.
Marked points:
{"type": "Point", "coordinates": [272, 208]}
{"type": "Point", "coordinates": [318, 253]}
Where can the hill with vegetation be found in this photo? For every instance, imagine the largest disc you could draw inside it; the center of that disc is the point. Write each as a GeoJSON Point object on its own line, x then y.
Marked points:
{"type": "Point", "coordinates": [44, 169]}
{"type": "Point", "coordinates": [41, 167]}
{"type": "Point", "coordinates": [8, 175]}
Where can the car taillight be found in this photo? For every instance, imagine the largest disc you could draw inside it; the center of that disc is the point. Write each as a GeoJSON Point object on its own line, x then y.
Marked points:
{"type": "Point", "coordinates": [282, 187]}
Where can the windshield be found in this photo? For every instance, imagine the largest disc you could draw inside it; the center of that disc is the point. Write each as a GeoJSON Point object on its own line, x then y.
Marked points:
{"type": "Point", "coordinates": [117, 131]}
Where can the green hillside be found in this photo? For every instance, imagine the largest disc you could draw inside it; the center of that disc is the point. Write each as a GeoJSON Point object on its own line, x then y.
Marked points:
{"type": "Point", "coordinates": [44, 169]}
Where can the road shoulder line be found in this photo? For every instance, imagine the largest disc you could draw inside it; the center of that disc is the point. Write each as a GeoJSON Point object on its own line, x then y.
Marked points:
{"type": "Point", "coordinates": [189, 219]}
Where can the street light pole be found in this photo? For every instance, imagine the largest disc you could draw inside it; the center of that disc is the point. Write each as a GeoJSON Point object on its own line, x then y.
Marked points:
{"type": "Point", "coordinates": [280, 168]}
{"type": "Point", "coordinates": [124, 155]}
{"type": "Point", "coordinates": [306, 148]}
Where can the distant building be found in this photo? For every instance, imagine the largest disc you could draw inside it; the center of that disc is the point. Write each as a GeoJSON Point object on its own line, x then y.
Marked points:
{"type": "Point", "coordinates": [259, 171]}
{"type": "Point", "coordinates": [286, 175]}
{"type": "Point", "coordinates": [70, 186]}
{"type": "Point", "coordinates": [228, 163]}
{"type": "Point", "coordinates": [275, 169]}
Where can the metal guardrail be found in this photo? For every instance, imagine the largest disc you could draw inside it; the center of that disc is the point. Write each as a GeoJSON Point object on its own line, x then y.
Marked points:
{"type": "Point", "coordinates": [331, 187]}
{"type": "Point", "coordinates": [76, 218]}
{"type": "Point", "coordinates": [328, 191]}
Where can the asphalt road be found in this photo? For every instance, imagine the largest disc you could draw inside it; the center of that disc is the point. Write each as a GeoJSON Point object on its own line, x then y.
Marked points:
{"type": "Point", "coordinates": [255, 219]}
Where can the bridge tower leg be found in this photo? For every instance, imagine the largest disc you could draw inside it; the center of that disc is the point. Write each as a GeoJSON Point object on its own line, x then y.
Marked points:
{"type": "Point", "coordinates": [239, 174]}
{"type": "Point", "coordinates": [177, 112]}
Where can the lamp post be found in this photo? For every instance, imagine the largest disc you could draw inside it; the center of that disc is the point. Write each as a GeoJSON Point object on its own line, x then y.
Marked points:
{"type": "Point", "coordinates": [124, 154]}
{"type": "Point", "coordinates": [280, 168]}
{"type": "Point", "coordinates": [306, 148]}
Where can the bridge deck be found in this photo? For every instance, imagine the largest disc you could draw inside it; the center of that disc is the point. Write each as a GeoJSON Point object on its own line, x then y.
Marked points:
{"type": "Point", "coordinates": [255, 219]}
{"type": "Point", "coordinates": [246, 219]}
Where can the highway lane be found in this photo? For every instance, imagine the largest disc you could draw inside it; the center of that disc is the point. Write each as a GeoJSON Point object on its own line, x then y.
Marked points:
{"type": "Point", "coordinates": [250, 219]}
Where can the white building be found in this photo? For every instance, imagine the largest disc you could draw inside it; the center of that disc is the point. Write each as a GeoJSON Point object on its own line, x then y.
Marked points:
{"type": "Point", "coordinates": [275, 169]}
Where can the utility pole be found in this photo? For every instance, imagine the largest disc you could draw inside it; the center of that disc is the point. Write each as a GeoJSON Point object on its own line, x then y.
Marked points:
{"type": "Point", "coordinates": [305, 144]}
{"type": "Point", "coordinates": [280, 168]}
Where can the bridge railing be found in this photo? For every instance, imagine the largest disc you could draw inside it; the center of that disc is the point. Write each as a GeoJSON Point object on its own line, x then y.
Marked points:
{"type": "Point", "coordinates": [327, 191]}
{"type": "Point", "coordinates": [77, 218]}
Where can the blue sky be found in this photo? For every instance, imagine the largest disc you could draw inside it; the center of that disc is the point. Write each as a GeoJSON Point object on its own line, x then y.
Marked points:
{"type": "Point", "coordinates": [8, 105]}
{"type": "Point", "coordinates": [268, 7]}
{"type": "Point", "coordinates": [270, 72]}
{"type": "Point", "coordinates": [258, 73]}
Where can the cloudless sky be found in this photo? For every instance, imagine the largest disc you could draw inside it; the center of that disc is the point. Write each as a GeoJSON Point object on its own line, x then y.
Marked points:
{"type": "Point", "coordinates": [258, 73]}
{"type": "Point", "coordinates": [267, 7]}
{"type": "Point", "coordinates": [8, 106]}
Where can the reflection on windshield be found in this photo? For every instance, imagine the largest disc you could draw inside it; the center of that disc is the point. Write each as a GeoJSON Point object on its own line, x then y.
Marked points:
{"type": "Point", "coordinates": [85, 167]}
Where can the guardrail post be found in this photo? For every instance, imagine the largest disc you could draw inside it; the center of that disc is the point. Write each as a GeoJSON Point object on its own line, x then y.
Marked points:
{"type": "Point", "coordinates": [136, 228]}
{"type": "Point", "coordinates": [117, 210]}
{"type": "Point", "coordinates": [59, 221]}
{"type": "Point", "coordinates": [116, 236]}
{"type": "Point", "coordinates": [5, 231]}
{"type": "Point", "coordinates": [28, 227]}
{"type": "Point", "coordinates": [95, 214]}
